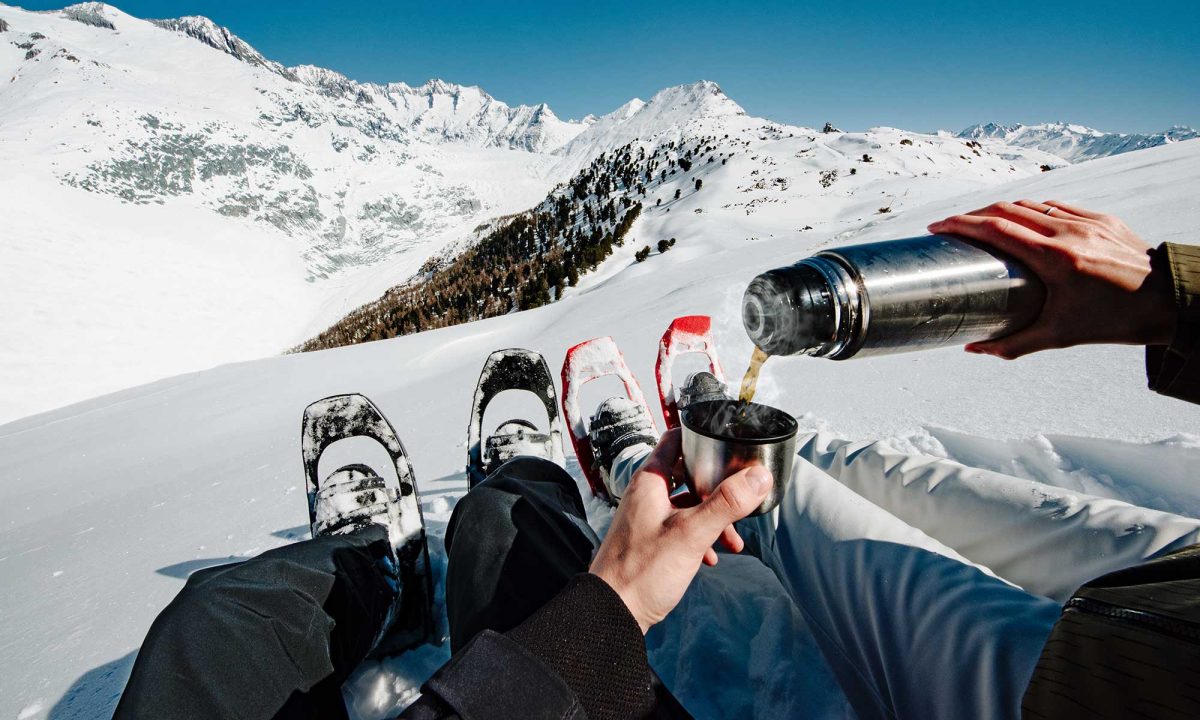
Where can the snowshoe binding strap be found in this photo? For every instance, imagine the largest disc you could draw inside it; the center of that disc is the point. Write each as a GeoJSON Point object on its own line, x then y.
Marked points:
{"type": "Point", "coordinates": [513, 439]}
{"type": "Point", "coordinates": [349, 499]}
{"type": "Point", "coordinates": [619, 423]}
{"type": "Point", "coordinates": [700, 386]}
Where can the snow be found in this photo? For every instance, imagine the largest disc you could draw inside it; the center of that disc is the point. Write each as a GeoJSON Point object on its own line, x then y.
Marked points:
{"type": "Point", "coordinates": [127, 493]}
{"type": "Point", "coordinates": [107, 504]}
{"type": "Point", "coordinates": [153, 231]}
{"type": "Point", "coordinates": [1075, 143]}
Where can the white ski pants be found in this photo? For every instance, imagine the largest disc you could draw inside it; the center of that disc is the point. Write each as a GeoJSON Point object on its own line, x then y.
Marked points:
{"type": "Point", "coordinates": [931, 586]}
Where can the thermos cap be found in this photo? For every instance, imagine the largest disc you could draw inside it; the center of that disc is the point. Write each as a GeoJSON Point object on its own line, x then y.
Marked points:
{"type": "Point", "coordinates": [791, 311]}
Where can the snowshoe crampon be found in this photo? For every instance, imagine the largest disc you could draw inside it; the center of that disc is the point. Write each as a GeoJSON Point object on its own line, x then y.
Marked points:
{"type": "Point", "coordinates": [345, 416]}
{"type": "Point", "coordinates": [688, 334]}
{"type": "Point", "coordinates": [584, 363]}
{"type": "Point", "coordinates": [512, 369]}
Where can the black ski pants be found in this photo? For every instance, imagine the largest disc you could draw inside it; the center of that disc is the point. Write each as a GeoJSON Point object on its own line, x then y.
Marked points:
{"type": "Point", "coordinates": [277, 635]}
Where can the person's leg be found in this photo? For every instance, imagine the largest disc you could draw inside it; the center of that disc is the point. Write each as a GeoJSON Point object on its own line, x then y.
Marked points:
{"type": "Point", "coordinates": [513, 542]}
{"type": "Point", "coordinates": [910, 628]}
{"type": "Point", "coordinates": [625, 464]}
{"type": "Point", "coordinates": [1048, 540]}
{"type": "Point", "coordinates": [272, 637]}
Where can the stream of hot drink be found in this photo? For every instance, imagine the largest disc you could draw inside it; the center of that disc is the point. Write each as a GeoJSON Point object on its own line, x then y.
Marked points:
{"type": "Point", "coordinates": [750, 380]}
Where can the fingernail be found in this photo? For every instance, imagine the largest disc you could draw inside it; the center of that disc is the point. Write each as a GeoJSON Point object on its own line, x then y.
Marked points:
{"type": "Point", "coordinates": [760, 478]}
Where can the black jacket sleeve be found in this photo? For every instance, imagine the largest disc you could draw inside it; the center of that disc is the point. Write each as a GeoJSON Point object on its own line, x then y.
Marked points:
{"type": "Point", "coordinates": [582, 655]}
{"type": "Point", "coordinates": [1175, 369]}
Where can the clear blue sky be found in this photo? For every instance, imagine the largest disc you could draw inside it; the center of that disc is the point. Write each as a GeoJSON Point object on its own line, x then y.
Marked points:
{"type": "Point", "coordinates": [922, 65]}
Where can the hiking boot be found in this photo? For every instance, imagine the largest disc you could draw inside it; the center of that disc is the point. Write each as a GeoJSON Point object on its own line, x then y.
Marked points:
{"type": "Point", "coordinates": [619, 424]}
{"type": "Point", "coordinates": [700, 387]}
{"type": "Point", "coordinates": [354, 497]}
{"type": "Point", "coordinates": [514, 438]}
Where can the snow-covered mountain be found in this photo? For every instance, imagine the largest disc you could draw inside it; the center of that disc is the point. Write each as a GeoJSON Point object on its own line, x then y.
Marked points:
{"type": "Point", "coordinates": [448, 113]}
{"type": "Point", "coordinates": [200, 28]}
{"type": "Point", "coordinates": [672, 113]}
{"type": "Point", "coordinates": [209, 205]}
{"type": "Point", "coordinates": [1074, 143]}
{"type": "Point", "coordinates": [688, 164]}
{"type": "Point", "coordinates": [206, 204]}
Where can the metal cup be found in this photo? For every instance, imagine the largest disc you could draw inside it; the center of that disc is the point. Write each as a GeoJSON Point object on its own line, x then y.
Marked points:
{"type": "Point", "coordinates": [721, 437]}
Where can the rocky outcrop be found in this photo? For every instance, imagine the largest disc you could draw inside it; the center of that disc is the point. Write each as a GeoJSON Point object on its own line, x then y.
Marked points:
{"type": "Point", "coordinates": [220, 38]}
{"type": "Point", "coordinates": [89, 13]}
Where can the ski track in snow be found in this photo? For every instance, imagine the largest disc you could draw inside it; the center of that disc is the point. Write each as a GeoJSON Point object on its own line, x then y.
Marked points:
{"type": "Point", "coordinates": [127, 493]}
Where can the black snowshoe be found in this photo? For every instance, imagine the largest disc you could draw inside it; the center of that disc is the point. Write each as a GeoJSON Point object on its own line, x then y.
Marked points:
{"type": "Point", "coordinates": [356, 494]}
{"type": "Point", "coordinates": [512, 369]}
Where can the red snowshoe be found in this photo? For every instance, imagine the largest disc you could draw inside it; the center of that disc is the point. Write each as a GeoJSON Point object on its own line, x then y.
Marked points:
{"type": "Point", "coordinates": [585, 362]}
{"type": "Point", "coordinates": [688, 334]}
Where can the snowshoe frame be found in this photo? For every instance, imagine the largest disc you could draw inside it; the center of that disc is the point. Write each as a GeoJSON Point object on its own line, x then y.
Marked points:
{"type": "Point", "coordinates": [339, 417]}
{"type": "Point", "coordinates": [585, 362]}
{"type": "Point", "coordinates": [687, 334]}
{"type": "Point", "coordinates": [511, 369]}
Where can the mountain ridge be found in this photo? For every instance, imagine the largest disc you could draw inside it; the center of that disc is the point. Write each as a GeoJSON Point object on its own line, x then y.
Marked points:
{"type": "Point", "coordinates": [1073, 142]}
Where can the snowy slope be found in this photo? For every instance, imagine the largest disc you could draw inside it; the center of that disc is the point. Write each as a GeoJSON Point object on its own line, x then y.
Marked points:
{"type": "Point", "coordinates": [695, 166]}
{"type": "Point", "coordinates": [251, 204]}
{"type": "Point", "coordinates": [177, 200]}
{"type": "Point", "coordinates": [1074, 143]}
{"type": "Point", "coordinates": [106, 505]}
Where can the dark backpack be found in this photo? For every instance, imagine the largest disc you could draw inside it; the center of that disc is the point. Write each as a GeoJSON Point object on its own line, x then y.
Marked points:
{"type": "Point", "coordinates": [1127, 645]}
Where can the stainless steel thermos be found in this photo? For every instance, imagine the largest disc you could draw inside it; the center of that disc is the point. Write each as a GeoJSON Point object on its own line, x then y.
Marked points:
{"type": "Point", "coordinates": [889, 297]}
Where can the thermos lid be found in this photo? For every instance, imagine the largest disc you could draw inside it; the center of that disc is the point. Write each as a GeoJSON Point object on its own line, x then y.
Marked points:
{"type": "Point", "coordinates": [791, 311]}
